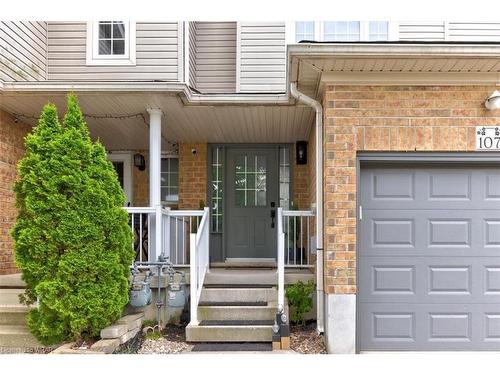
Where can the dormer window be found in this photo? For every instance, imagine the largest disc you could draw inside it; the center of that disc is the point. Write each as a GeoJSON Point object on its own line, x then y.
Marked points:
{"type": "Point", "coordinates": [111, 43]}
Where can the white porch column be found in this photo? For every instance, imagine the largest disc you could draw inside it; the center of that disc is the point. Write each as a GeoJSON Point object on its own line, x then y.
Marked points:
{"type": "Point", "coordinates": [155, 115]}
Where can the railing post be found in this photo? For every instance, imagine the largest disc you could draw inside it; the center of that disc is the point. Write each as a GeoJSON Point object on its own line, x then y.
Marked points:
{"type": "Point", "coordinates": [166, 251]}
{"type": "Point", "coordinates": [281, 261]}
{"type": "Point", "coordinates": [193, 279]}
{"type": "Point", "coordinates": [206, 213]}
{"type": "Point", "coordinates": [157, 233]}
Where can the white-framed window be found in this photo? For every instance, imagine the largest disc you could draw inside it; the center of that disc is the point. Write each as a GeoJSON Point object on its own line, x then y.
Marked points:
{"type": "Point", "coordinates": [111, 43]}
{"type": "Point", "coordinates": [341, 31]}
{"type": "Point", "coordinates": [378, 30]}
{"type": "Point", "coordinates": [169, 179]}
{"type": "Point", "coordinates": [304, 30]}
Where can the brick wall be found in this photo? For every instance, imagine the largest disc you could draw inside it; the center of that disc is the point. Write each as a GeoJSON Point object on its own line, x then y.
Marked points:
{"type": "Point", "coordinates": [192, 175]}
{"type": "Point", "coordinates": [140, 181]}
{"type": "Point", "coordinates": [385, 118]}
{"type": "Point", "coordinates": [11, 150]}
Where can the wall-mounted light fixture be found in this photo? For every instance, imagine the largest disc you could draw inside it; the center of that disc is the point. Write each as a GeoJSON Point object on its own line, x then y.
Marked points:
{"type": "Point", "coordinates": [139, 162]}
{"type": "Point", "coordinates": [493, 101]}
{"type": "Point", "coordinates": [301, 152]}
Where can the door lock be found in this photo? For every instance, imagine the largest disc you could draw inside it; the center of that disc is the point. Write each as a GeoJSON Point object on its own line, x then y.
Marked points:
{"type": "Point", "coordinates": [273, 214]}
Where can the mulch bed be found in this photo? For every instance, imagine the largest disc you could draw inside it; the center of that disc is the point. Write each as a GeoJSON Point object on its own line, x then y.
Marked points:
{"type": "Point", "coordinates": [305, 340]}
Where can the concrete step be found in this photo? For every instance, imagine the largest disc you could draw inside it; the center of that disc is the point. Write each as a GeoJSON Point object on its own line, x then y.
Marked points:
{"type": "Point", "coordinates": [238, 295]}
{"type": "Point", "coordinates": [13, 314]}
{"type": "Point", "coordinates": [229, 333]}
{"type": "Point", "coordinates": [10, 296]}
{"type": "Point", "coordinates": [16, 336]}
{"type": "Point", "coordinates": [12, 281]}
{"type": "Point", "coordinates": [230, 313]}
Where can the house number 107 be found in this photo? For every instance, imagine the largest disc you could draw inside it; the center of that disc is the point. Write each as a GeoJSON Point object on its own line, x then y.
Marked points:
{"type": "Point", "coordinates": [487, 139]}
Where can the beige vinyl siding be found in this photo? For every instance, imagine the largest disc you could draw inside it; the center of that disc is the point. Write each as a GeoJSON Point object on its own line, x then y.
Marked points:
{"type": "Point", "coordinates": [431, 31]}
{"type": "Point", "coordinates": [213, 59]}
{"type": "Point", "coordinates": [157, 54]}
{"type": "Point", "coordinates": [474, 31]}
{"type": "Point", "coordinates": [192, 54]}
{"type": "Point", "coordinates": [263, 57]}
{"type": "Point", "coordinates": [23, 51]}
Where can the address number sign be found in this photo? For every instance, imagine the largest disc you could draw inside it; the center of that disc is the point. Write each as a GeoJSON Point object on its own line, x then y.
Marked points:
{"type": "Point", "coordinates": [487, 138]}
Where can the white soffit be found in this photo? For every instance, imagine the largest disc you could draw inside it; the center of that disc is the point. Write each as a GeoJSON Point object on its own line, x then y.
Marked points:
{"type": "Point", "coordinates": [345, 63]}
{"type": "Point", "coordinates": [195, 123]}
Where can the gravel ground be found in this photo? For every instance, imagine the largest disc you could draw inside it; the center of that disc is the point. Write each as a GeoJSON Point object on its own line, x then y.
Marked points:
{"type": "Point", "coordinates": [172, 342]}
{"type": "Point", "coordinates": [305, 340]}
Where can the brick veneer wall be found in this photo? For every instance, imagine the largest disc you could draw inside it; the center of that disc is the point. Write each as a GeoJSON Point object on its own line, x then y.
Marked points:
{"type": "Point", "coordinates": [192, 175]}
{"type": "Point", "coordinates": [385, 118]}
{"type": "Point", "coordinates": [140, 181]}
{"type": "Point", "coordinates": [11, 150]}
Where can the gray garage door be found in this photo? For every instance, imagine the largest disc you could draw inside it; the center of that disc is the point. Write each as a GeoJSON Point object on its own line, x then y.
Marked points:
{"type": "Point", "coordinates": [429, 258]}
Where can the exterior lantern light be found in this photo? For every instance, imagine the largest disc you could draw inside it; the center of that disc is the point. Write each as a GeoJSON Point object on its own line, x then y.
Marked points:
{"type": "Point", "coordinates": [139, 162]}
{"type": "Point", "coordinates": [301, 152]}
{"type": "Point", "coordinates": [493, 101]}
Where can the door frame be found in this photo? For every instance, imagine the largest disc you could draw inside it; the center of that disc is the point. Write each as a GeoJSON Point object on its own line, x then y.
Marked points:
{"type": "Point", "coordinates": [226, 146]}
{"type": "Point", "coordinates": [405, 158]}
{"type": "Point", "coordinates": [126, 158]}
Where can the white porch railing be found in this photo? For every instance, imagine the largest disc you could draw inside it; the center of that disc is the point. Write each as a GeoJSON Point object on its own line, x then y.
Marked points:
{"type": "Point", "coordinates": [200, 260]}
{"type": "Point", "coordinates": [293, 245]}
{"type": "Point", "coordinates": [297, 228]}
{"type": "Point", "coordinates": [174, 237]}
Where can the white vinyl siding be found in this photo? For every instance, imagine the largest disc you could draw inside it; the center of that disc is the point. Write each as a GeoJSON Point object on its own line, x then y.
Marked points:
{"type": "Point", "coordinates": [213, 57]}
{"type": "Point", "coordinates": [157, 54]}
{"type": "Point", "coordinates": [262, 57]}
{"type": "Point", "coordinates": [431, 31]}
{"type": "Point", "coordinates": [192, 54]}
{"type": "Point", "coordinates": [474, 31]}
{"type": "Point", "coordinates": [23, 51]}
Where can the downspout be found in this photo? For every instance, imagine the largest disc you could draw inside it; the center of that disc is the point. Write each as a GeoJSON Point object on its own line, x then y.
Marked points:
{"type": "Point", "coordinates": [319, 200]}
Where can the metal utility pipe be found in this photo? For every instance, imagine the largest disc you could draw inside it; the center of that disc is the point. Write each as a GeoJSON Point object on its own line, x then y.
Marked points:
{"type": "Point", "coordinates": [319, 199]}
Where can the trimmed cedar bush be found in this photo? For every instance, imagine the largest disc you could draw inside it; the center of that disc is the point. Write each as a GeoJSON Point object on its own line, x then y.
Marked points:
{"type": "Point", "coordinates": [71, 237]}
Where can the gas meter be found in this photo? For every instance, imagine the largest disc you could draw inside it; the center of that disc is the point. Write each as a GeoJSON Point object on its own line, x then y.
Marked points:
{"type": "Point", "coordinates": [140, 293]}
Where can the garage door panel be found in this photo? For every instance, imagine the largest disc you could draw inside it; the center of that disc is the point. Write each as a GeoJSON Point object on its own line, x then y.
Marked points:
{"type": "Point", "coordinates": [430, 327]}
{"type": "Point", "coordinates": [429, 258]}
{"type": "Point", "coordinates": [429, 279]}
{"type": "Point", "coordinates": [430, 188]}
{"type": "Point", "coordinates": [429, 233]}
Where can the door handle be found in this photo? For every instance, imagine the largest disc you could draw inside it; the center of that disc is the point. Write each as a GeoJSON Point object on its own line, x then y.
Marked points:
{"type": "Point", "coordinates": [273, 214]}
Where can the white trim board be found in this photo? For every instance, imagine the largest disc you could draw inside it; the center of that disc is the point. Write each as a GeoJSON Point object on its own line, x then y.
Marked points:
{"type": "Point", "coordinates": [394, 78]}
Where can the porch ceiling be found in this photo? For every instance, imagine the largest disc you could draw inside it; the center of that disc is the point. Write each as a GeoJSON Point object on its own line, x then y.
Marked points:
{"type": "Point", "coordinates": [236, 123]}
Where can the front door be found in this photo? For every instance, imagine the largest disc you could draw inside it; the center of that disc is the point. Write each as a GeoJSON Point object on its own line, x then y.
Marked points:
{"type": "Point", "coordinates": [252, 194]}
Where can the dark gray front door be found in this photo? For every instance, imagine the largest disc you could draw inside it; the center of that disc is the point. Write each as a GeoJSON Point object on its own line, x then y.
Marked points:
{"type": "Point", "coordinates": [252, 189]}
{"type": "Point", "coordinates": [429, 258]}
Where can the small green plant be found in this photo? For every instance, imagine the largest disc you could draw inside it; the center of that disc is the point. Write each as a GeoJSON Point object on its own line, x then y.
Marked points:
{"type": "Point", "coordinates": [152, 335]}
{"type": "Point", "coordinates": [300, 300]}
{"type": "Point", "coordinates": [149, 323]}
